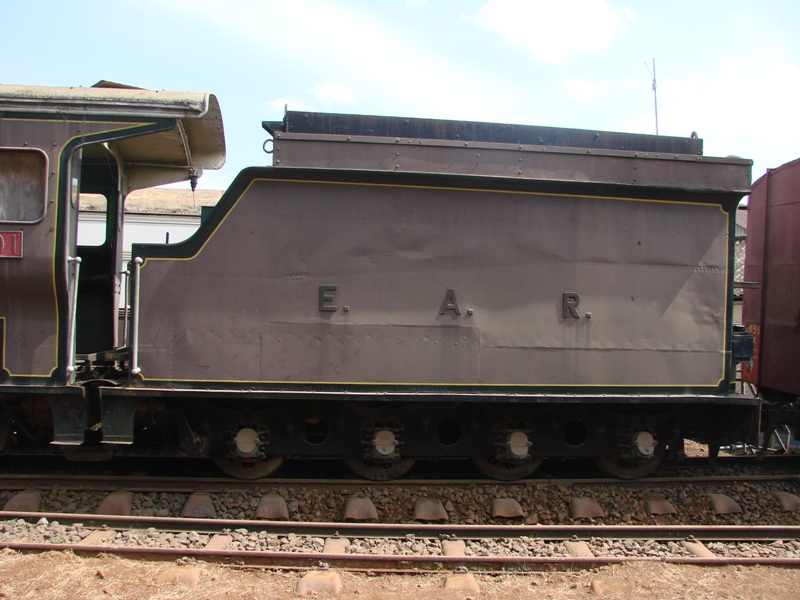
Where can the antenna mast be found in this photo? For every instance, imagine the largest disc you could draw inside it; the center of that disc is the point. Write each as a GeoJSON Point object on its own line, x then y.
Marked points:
{"type": "Point", "coordinates": [655, 93]}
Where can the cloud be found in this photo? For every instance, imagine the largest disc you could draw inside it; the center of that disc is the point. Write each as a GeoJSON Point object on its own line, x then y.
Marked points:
{"type": "Point", "coordinates": [335, 56]}
{"type": "Point", "coordinates": [553, 31]}
{"type": "Point", "coordinates": [742, 110]}
{"type": "Point", "coordinates": [278, 105]}
{"type": "Point", "coordinates": [738, 104]}
{"type": "Point", "coordinates": [586, 89]}
{"type": "Point", "coordinates": [332, 94]}
{"type": "Point", "coordinates": [326, 95]}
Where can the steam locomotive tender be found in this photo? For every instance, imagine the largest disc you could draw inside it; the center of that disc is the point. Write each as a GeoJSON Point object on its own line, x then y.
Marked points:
{"type": "Point", "coordinates": [390, 289]}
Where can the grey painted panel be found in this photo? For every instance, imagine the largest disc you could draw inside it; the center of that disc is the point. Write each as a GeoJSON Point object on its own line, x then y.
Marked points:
{"type": "Point", "coordinates": [652, 274]}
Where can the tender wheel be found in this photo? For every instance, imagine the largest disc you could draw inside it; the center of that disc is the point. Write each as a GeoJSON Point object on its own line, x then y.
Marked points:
{"type": "Point", "coordinates": [379, 470]}
{"type": "Point", "coordinates": [505, 470]}
{"type": "Point", "coordinates": [249, 469]}
{"type": "Point", "coordinates": [628, 468]}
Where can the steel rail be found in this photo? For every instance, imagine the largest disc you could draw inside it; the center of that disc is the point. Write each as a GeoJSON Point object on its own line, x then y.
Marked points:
{"type": "Point", "coordinates": [727, 533]}
{"type": "Point", "coordinates": [311, 560]}
{"type": "Point", "coordinates": [194, 484]}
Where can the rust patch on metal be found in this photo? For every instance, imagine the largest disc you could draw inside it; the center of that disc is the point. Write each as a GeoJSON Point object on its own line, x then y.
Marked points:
{"type": "Point", "coordinates": [656, 505]}
{"type": "Point", "coordinates": [273, 508]}
{"type": "Point", "coordinates": [429, 509]}
{"type": "Point", "coordinates": [723, 505]}
{"type": "Point", "coordinates": [788, 502]}
{"type": "Point", "coordinates": [507, 508]}
{"type": "Point", "coordinates": [585, 508]}
{"type": "Point", "coordinates": [199, 506]}
{"type": "Point", "coordinates": [27, 501]}
{"type": "Point", "coordinates": [116, 503]}
{"type": "Point", "coordinates": [360, 509]}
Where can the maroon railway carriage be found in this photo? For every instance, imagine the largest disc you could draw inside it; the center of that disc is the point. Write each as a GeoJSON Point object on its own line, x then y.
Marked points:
{"type": "Point", "coordinates": [771, 311]}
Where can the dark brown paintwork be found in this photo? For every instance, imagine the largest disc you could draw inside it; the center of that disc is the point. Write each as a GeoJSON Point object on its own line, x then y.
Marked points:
{"type": "Point", "coordinates": [613, 167]}
{"type": "Point", "coordinates": [642, 238]}
{"type": "Point", "coordinates": [653, 275]}
{"type": "Point", "coordinates": [65, 126]}
{"type": "Point", "coordinates": [332, 141]}
{"type": "Point", "coordinates": [304, 122]}
{"type": "Point", "coordinates": [506, 286]}
{"type": "Point", "coordinates": [29, 295]}
{"type": "Point", "coordinates": [33, 297]}
{"type": "Point", "coordinates": [772, 312]}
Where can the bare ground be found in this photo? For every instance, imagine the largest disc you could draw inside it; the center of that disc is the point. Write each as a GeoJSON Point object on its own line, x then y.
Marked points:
{"type": "Point", "coordinates": [65, 575]}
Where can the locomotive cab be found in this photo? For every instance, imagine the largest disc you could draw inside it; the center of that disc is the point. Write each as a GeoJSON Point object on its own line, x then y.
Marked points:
{"type": "Point", "coordinates": [59, 300]}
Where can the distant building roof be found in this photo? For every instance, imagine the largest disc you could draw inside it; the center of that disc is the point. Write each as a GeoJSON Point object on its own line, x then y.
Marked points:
{"type": "Point", "coordinates": [157, 201]}
{"type": "Point", "coordinates": [741, 246]}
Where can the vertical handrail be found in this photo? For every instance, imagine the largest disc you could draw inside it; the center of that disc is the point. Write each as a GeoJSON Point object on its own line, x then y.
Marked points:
{"type": "Point", "coordinates": [126, 306]}
{"type": "Point", "coordinates": [134, 337]}
{"type": "Point", "coordinates": [759, 353]}
{"type": "Point", "coordinates": [75, 261]}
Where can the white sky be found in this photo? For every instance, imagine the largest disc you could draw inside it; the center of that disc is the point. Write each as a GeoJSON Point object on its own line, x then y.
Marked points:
{"type": "Point", "coordinates": [728, 70]}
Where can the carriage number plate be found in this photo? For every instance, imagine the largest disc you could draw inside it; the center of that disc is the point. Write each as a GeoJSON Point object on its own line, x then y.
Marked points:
{"type": "Point", "coordinates": [10, 244]}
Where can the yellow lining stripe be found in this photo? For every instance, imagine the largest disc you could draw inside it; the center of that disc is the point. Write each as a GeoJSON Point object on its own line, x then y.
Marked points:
{"type": "Point", "coordinates": [3, 342]}
{"type": "Point", "coordinates": [422, 187]}
{"type": "Point", "coordinates": [443, 188]}
{"type": "Point", "coordinates": [120, 126]}
{"type": "Point", "coordinates": [289, 383]}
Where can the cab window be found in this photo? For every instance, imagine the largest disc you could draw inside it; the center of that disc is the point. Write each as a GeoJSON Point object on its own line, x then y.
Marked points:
{"type": "Point", "coordinates": [23, 176]}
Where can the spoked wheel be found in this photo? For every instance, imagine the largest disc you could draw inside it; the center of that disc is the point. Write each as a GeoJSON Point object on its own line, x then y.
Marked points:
{"type": "Point", "coordinates": [249, 469]}
{"type": "Point", "coordinates": [378, 470]}
{"type": "Point", "coordinates": [628, 468]}
{"type": "Point", "coordinates": [505, 470]}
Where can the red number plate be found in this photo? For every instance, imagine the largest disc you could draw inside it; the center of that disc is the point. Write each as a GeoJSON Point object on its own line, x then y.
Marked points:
{"type": "Point", "coordinates": [10, 244]}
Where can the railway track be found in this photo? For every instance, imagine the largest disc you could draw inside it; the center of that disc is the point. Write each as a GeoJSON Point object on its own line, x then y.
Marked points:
{"type": "Point", "coordinates": [452, 534]}
{"type": "Point", "coordinates": [754, 499]}
{"type": "Point", "coordinates": [369, 546]}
